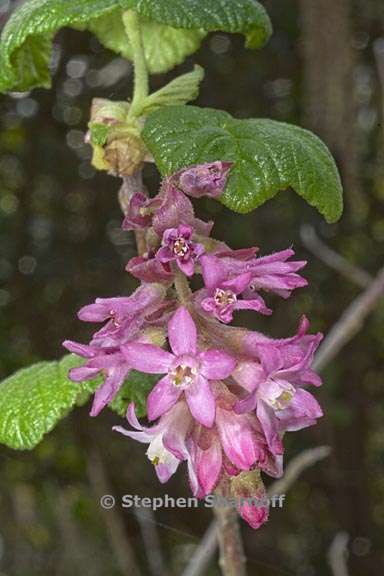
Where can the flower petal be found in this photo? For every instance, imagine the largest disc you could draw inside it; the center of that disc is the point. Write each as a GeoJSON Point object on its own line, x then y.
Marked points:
{"type": "Point", "coordinates": [162, 397]}
{"type": "Point", "coordinates": [269, 424]}
{"type": "Point", "coordinates": [208, 464]}
{"type": "Point", "coordinates": [182, 333]}
{"type": "Point", "coordinates": [201, 401]}
{"type": "Point", "coordinates": [186, 266]}
{"type": "Point", "coordinates": [216, 365]}
{"type": "Point", "coordinates": [212, 270]}
{"type": "Point", "coordinates": [107, 391]}
{"type": "Point", "coordinates": [237, 438]}
{"type": "Point", "coordinates": [147, 357]}
{"type": "Point", "coordinates": [165, 471]}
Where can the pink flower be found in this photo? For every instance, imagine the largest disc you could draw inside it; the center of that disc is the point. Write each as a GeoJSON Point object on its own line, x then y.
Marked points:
{"type": "Point", "coordinates": [188, 371]}
{"type": "Point", "coordinates": [177, 245]}
{"type": "Point", "coordinates": [125, 319]}
{"type": "Point", "coordinates": [221, 295]}
{"type": "Point", "coordinates": [234, 444]}
{"type": "Point", "coordinates": [251, 496]}
{"type": "Point", "coordinates": [272, 273]}
{"type": "Point", "coordinates": [110, 362]}
{"type": "Point", "coordinates": [148, 269]}
{"type": "Point", "coordinates": [204, 179]}
{"type": "Point", "coordinates": [166, 439]}
{"type": "Point", "coordinates": [276, 383]}
{"type": "Point", "coordinates": [139, 213]}
{"type": "Point", "coordinates": [176, 209]}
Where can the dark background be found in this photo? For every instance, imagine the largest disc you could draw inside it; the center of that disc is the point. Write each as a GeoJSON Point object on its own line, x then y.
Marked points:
{"type": "Point", "coordinates": [61, 246]}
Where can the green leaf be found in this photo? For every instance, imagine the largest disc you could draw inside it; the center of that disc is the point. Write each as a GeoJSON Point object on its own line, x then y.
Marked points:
{"type": "Point", "coordinates": [26, 38]}
{"type": "Point", "coordinates": [181, 90]}
{"type": "Point", "coordinates": [164, 46]}
{"type": "Point", "coordinates": [247, 17]}
{"type": "Point", "coordinates": [35, 399]}
{"type": "Point", "coordinates": [171, 30]}
{"type": "Point", "coordinates": [135, 389]}
{"type": "Point", "coordinates": [268, 156]}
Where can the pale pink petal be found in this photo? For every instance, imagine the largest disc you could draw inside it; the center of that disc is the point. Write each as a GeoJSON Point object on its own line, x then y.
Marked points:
{"type": "Point", "coordinates": [270, 425]}
{"type": "Point", "coordinates": [201, 401]}
{"type": "Point", "coordinates": [165, 471]}
{"type": "Point", "coordinates": [216, 365]}
{"type": "Point", "coordinates": [237, 438]}
{"type": "Point", "coordinates": [182, 333]}
{"type": "Point", "coordinates": [212, 270]}
{"type": "Point", "coordinates": [208, 464]}
{"type": "Point", "coordinates": [147, 358]}
{"type": "Point", "coordinates": [162, 397]}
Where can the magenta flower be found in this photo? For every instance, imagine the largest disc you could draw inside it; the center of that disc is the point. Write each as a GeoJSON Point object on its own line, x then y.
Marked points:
{"type": "Point", "coordinates": [176, 209]}
{"type": "Point", "coordinates": [271, 273]}
{"type": "Point", "coordinates": [276, 384]}
{"type": "Point", "coordinates": [204, 179]}
{"type": "Point", "coordinates": [148, 269]}
{"type": "Point", "coordinates": [178, 246]}
{"type": "Point", "coordinates": [221, 295]}
{"type": "Point", "coordinates": [166, 439]}
{"type": "Point", "coordinates": [139, 214]}
{"type": "Point", "coordinates": [236, 443]}
{"type": "Point", "coordinates": [111, 363]}
{"type": "Point", "coordinates": [188, 371]}
{"type": "Point", "coordinates": [126, 319]}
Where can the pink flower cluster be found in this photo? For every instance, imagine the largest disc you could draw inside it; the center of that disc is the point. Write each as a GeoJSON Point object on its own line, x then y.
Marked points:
{"type": "Point", "coordinates": [225, 395]}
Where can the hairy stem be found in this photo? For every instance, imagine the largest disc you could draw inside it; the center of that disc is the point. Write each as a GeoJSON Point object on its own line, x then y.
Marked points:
{"type": "Point", "coordinates": [232, 558]}
{"type": "Point", "coordinates": [133, 30]}
{"type": "Point", "coordinates": [182, 287]}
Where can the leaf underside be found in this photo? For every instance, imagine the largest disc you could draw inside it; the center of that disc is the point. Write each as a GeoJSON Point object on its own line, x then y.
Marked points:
{"type": "Point", "coordinates": [268, 156]}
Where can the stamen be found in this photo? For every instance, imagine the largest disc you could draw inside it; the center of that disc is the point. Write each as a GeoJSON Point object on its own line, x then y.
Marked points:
{"type": "Point", "coordinates": [224, 297]}
{"type": "Point", "coordinates": [180, 247]}
{"type": "Point", "coordinates": [183, 375]}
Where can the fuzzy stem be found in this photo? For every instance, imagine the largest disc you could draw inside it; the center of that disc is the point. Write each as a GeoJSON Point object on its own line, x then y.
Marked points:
{"type": "Point", "coordinates": [232, 557]}
{"type": "Point", "coordinates": [141, 88]}
{"type": "Point", "coordinates": [182, 287]}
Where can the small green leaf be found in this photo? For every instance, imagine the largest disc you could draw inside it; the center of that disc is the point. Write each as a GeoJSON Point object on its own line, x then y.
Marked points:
{"type": "Point", "coordinates": [246, 17]}
{"type": "Point", "coordinates": [181, 90]}
{"type": "Point", "coordinates": [164, 46]}
{"type": "Point", "coordinates": [268, 156]}
{"type": "Point", "coordinates": [99, 133]}
{"type": "Point", "coordinates": [35, 399]}
{"type": "Point", "coordinates": [135, 389]}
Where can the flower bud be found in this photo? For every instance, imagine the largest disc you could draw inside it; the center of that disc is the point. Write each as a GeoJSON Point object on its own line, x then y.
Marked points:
{"type": "Point", "coordinates": [249, 491]}
{"type": "Point", "coordinates": [204, 179]}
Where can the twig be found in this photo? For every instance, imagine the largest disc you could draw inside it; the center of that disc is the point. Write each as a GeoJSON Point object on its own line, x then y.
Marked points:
{"type": "Point", "coordinates": [350, 322]}
{"type": "Point", "coordinates": [207, 547]}
{"type": "Point", "coordinates": [296, 467]}
{"type": "Point", "coordinates": [204, 553]}
{"type": "Point", "coordinates": [146, 520]}
{"type": "Point", "coordinates": [334, 260]}
{"type": "Point", "coordinates": [338, 554]}
{"type": "Point", "coordinates": [124, 552]}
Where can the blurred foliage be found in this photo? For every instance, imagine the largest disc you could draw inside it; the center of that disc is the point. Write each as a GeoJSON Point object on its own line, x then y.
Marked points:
{"type": "Point", "coordinates": [61, 246]}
